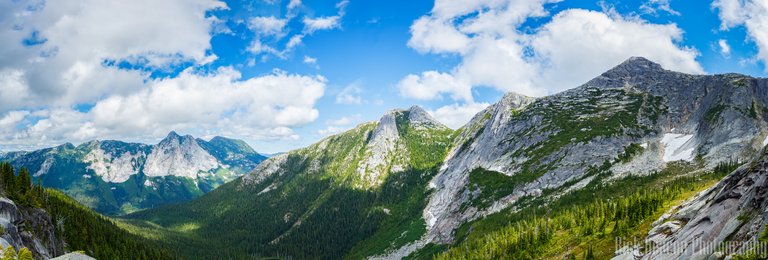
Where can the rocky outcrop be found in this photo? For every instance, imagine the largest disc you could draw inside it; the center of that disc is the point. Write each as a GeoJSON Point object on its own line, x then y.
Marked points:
{"type": "Point", "coordinates": [178, 156]}
{"type": "Point", "coordinates": [32, 228]}
{"type": "Point", "coordinates": [673, 116]}
{"type": "Point", "coordinates": [73, 256]}
{"type": "Point", "coordinates": [114, 167]}
{"type": "Point", "coordinates": [734, 211]}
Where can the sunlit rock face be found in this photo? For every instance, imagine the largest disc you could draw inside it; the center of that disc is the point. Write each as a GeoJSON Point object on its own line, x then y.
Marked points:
{"type": "Point", "coordinates": [115, 177]}
{"type": "Point", "coordinates": [556, 139]}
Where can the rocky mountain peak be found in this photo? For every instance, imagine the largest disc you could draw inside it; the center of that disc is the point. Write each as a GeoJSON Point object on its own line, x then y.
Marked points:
{"type": "Point", "coordinates": [515, 101]}
{"type": "Point", "coordinates": [638, 64]}
{"type": "Point", "coordinates": [172, 135]}
{"type": "Point", "coordinates": [180, 156]}
{"type": "Point", "coordinates": [419, 116]}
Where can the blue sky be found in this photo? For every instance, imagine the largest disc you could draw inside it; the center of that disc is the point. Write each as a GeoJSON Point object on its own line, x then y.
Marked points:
{"type": "Point", "coordinates": [284, 74]}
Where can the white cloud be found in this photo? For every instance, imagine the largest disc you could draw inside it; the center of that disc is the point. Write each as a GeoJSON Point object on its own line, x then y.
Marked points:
{"type": "Point", "coordinates": [752, 14]}
{"type": "Point", "coordinates": [257, 47]}
{"type": "Point", "coordinates": [267, 25]}
{"type": "Point", "coordinates": [271, 29]}
{"type": "Point", "coordinates": [339, 125]}
{"type": "Point", "coordinates": [311, 61]}
{"type": "Point", "coordinates": [343, 121]}
{"type": "Point", "coordinates": [321, 23]}
{"type": "Point", "coordinates": [331, 130]}
{"type": "Point", "coordinates": [258, 108]}
{"type": "Point", "coordinates": [69, 43]}
{"type": "Point", "coordinates": [293, 4]}
{"type": "Point", "coordinates": [11, 119]}
{"type": "Point", "coordinates": [725, 49]}
{"type": "Point", "coordinates": [430, 84]}
{"type": "Point", "coordinates": [350, 95]}
{"type": "Point", "coordinates": [573, 47]}
{"type": "Point", "coordinates": [455, 115]}
{"type": "Point", "coordinates": [654, 6]}
{"type": "Point", "coordinates": [573, 35]}
{"type": "Point", "coordinates": [294, 41]}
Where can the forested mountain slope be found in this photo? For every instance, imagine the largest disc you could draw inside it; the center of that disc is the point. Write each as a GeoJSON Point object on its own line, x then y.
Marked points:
{"type": "Point", "coordinates": [45, 223]}
{"type": "Point", "coordinates": [599, 161]}
{"type": "Point", "coordinates": [356, 194]}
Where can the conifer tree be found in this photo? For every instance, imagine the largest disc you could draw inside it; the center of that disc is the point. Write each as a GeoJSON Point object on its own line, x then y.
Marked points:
{"type": "Point", "coordinates": [10, 253]}
{"type": "Point", "coordinates": [24, 181]}
{"type": "Point", "coordinates": [25, 254]}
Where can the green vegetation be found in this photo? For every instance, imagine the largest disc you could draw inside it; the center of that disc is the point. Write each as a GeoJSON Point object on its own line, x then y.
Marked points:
{"type": "Point", "coordinates": [9, 254]}
{"type": "Point", "coordinates": [491, 185]}
{"type": "Point", "coordinates": [753, 110]}
{"type": "Point", "coordinates": [713, 114]}
{"type": "Point", "coordinates": [319, 206]}
{"type": "Point", "coordinates": [67, 169]}
{"type": "Point", "coordinates": [585, 222]}
{"type": "Point", "coordinates": [601, 113]}
{"type": "Point", "coordinates": [629, 152]}
{"type": "Point", "coordinates": [80, 227]}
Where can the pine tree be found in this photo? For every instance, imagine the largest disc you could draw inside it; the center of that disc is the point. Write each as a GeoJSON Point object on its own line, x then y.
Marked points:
{"type": "Point", "coordinates": [24, 181]}
{"type": "Point", "coordinates": [8, 179]}
{"type": "Point", "coordinates": [25, 254]}
{"type": "Point", "coordinates": [10, 253]}
{"type": "Point", "coordinates": [590, 255]}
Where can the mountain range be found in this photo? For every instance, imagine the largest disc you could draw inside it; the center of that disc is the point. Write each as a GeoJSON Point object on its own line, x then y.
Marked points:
{"type": "Point", "coordinates": [115, 177]}
{"type": "Point", "coordinates": [598, 161]}
{"type": "Point", "coordinates": [639, 154]}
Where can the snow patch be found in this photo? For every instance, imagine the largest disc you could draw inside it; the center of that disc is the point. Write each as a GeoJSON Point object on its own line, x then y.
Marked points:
{"type": "Point", "coordinates": [86, 176]}
{"type": "Point", "coordinates": [677, 147]}
{"type": "Point", "coordinates": [644, 145]}
{"type": "Point", "coordinates": [148, 183]}
{"type": "Point", "coordinates": [765, 142]}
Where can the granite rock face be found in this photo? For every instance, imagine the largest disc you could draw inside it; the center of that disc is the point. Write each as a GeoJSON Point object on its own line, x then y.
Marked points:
{"type": "Point", "coordinates": [735, 209]}
{"type": "Point", "coordinates": [115, 177]}
{"type": "Point", "coordinates": [554, 141]}
{"type": "Point", "coordinates": [31, 228]}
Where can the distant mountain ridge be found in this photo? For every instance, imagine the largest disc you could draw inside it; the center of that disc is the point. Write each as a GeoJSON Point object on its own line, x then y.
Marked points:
{"type": "Point", "coordinates": [115, 177]}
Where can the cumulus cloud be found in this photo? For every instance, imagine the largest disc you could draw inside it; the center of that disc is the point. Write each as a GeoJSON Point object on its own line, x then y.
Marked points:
{"type": "Point", "coordinates": [267, 25]}
{"type": "Point", "coordinates": [495, 51]}
{"type": "Point", "coordinates": [456, 115]}
{"type": "Point", "coordinates": [64, 52]}
{"type": "Point", "coordinates": [751, 14]}
{"type": "Point", "coordinates": [258, 108]}
{"type": "Point", "coordinates": [430, 84]}
{"type": "Point", "coordinates": [62, 79]}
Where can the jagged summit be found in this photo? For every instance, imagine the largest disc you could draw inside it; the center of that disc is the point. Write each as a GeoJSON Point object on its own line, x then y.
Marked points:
{"type": "Point", "coordinates": [419, 116]}
{"type": "Point", "coordinates": [172, 134]}
{"type": "Point", "coordinates": [638, 64]}
{"type": "Point", "coordinates": [415, 115]}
